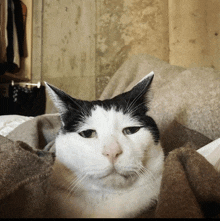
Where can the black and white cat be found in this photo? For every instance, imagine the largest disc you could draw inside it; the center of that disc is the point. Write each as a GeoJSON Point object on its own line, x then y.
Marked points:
{"type": "Point", "coordinates": [109, 161]}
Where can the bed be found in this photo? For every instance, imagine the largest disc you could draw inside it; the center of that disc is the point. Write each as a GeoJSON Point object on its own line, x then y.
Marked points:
{"type": "Point", "coordinates": [9, 122]}
{"type": "Point", "coordinates": [190, 132]}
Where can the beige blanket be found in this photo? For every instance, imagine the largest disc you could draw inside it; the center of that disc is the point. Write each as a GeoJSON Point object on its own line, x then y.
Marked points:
{"type": "Point", "coordinates": [190, 185]}
{"type": "Point", "coordinates": [189, 96]}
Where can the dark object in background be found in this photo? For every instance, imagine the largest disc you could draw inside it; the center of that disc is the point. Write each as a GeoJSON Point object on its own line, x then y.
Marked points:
{"type": "Point", "coordinates": [4, 105]}
{"type": "Point", "coordinates": [20, 25]}
{"type": "Point", "coordinates": [3, 68]}
{"type": "Point", "coordinates": [4, 99]}
{"type": "Point", "coordinates": [16, 15]}
{"type": "Point", "coordinates": [27, 101]}
{"type": "Point", "coordinates": [8, 67]}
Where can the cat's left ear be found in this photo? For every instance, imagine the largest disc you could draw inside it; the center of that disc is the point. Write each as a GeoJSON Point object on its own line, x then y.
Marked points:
{"type": "Point", "coordinates": [140, 93]}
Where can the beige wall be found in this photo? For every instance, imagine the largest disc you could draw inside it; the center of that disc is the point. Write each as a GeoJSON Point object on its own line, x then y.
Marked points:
{"type": "Point", "coordinates": [194, 33]}
{"type": "Point", "coordinates": [127, 27]}
{"type": "Point", "coordinates": [68, 52]}
{"type": "Point", "coordinates": [82, 43]}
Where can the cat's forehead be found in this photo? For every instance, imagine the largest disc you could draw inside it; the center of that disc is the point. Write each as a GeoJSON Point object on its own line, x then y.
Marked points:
{"type": "Point", "coordinates": [111, 116]}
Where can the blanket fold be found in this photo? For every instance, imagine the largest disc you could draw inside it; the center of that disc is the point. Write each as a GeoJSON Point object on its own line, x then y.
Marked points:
{"type": "Point", "coordinates": [39, 132]}
{"type": "Point", "coordinates": [190, 186]}
{"type": "Point", "coordinates": [23, 179]}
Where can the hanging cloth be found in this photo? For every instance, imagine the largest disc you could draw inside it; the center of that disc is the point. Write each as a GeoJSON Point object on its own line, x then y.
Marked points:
{"type": "Point", "coordinates": [15, 36]}
{"type": "Point", "coordinates": [19, 24]}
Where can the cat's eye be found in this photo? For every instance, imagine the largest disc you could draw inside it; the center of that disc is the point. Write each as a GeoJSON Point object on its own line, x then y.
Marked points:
{"type": "Point", "coordinates": [130, 130]}
{"type": "Point", "coordinates": [88, 133]}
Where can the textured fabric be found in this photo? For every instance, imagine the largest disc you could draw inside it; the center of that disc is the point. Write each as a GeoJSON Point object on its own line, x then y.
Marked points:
{"type": "Point", "coordinates": [9, 122]}
{"type": "Point", "coordinates": [189, 184]}
{"type": "Point", "coordinates": [190, 187]}
{"type": "Point", "coordinates": [23, 179]}
{"type": "Point", "coordinates": [37, 132]}
{"type": "Point", "coordinates": [211, 152]}
{"type": "Point", "coordinates": [176, 135]}
{"type": "Point", "coordinates": [189, 96]}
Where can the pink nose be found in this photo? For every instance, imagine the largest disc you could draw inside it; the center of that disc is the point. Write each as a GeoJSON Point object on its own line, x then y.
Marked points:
{"type": "Point", "coordinates": [112, 152]}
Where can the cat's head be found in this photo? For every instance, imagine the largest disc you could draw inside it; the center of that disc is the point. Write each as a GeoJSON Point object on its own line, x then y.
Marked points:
{"type": "Point", "coordinates": [112, 142]}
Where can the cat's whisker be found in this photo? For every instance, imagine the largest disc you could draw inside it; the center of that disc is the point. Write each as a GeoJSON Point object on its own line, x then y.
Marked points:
{"type": "Point", "coordinates": [75, 185]}
{"type": "Point", "coordinates": [72, 184]}
{"type": "Point", "coordinates": [74, 181]}
{"type": "Point", "coordinates": [87, 110]}
{"type": "Point", "coordinates": [149, 173]}
{"type": "Point", "coordinates": [145, 172]}
{"type": "Point", "coordinates": [137, 97]}
{"type": "Point", "coordinates": [127, 103]}
{"type": "Point", "coordinates": [79, 106]}
{"type": "Point", "coordinates": [132, 110]}
{"type": "Point", "coordinates": [147, 185]}
{"type": "Point", "coordinates": [129, 109]}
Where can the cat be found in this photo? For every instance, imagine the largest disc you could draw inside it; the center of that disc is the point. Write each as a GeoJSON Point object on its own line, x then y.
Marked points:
{"type": "Point", "coordinates": [109, 160]}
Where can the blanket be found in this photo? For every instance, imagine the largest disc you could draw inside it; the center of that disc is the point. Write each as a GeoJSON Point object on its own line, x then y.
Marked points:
{"type": "Point", "coordinates": [190, 183]}
{"type": "Point", "coordinates": [23, 179]}
{"type": "Point", "coordinates": [189, 96]}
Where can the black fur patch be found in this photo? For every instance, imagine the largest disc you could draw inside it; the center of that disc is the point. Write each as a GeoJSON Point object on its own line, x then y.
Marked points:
{"type": "Point", "coordinates": [73, 117]}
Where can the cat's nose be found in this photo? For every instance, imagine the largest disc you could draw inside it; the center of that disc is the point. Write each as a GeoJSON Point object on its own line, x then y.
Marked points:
{"type": "Point", "coordinates": [112, 152]}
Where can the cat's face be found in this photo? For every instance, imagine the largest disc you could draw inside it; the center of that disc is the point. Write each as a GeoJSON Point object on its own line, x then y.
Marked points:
{"type": "Point", "coordinates": [111, 142]}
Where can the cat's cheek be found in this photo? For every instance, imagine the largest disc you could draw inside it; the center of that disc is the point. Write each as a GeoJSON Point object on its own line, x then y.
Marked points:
{"type": "Point", "coordinates": [156, 158]}
{"type": "Point", "coordinates": [137, 142]}
{"type": "Point", "coordinates": [136, 148]}
{"type": "Point", "coordinates": [82, 155]}
{"type": "Point", "coordinates": [69, 150]}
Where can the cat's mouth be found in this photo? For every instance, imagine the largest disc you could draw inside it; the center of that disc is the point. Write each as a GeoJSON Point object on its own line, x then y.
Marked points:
{"type": "Point", "coordinates": [114, 173]}
{"type": "Point", "coordinates": [117, 179]}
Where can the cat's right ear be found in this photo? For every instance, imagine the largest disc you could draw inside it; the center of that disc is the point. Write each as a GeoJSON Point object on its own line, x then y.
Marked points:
{"type": "Point", "coordinates": [62, 101]}
{"type": "Point", "coordinates": [58, 97]}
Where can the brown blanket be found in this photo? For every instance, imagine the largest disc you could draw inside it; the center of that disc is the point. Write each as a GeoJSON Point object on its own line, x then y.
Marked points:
{"type": "Point", "coordinates": [23, 179]}
{"type": "Point", "coordinates": [190, 185]}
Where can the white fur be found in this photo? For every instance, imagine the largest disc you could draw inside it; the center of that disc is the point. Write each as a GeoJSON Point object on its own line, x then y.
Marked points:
{"type": "Point", "coordinates": [98, 192]}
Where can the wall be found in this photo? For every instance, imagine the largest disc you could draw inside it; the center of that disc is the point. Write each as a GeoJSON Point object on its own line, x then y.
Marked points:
{"type": "Point", "coordinates": [81, 43]}
{"type": "Point", "coordinates": [194, 30]}
{"type": "Point", "coordinates": [68, 52]}
{"type": "Point", "coordinates": [127, 27]}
